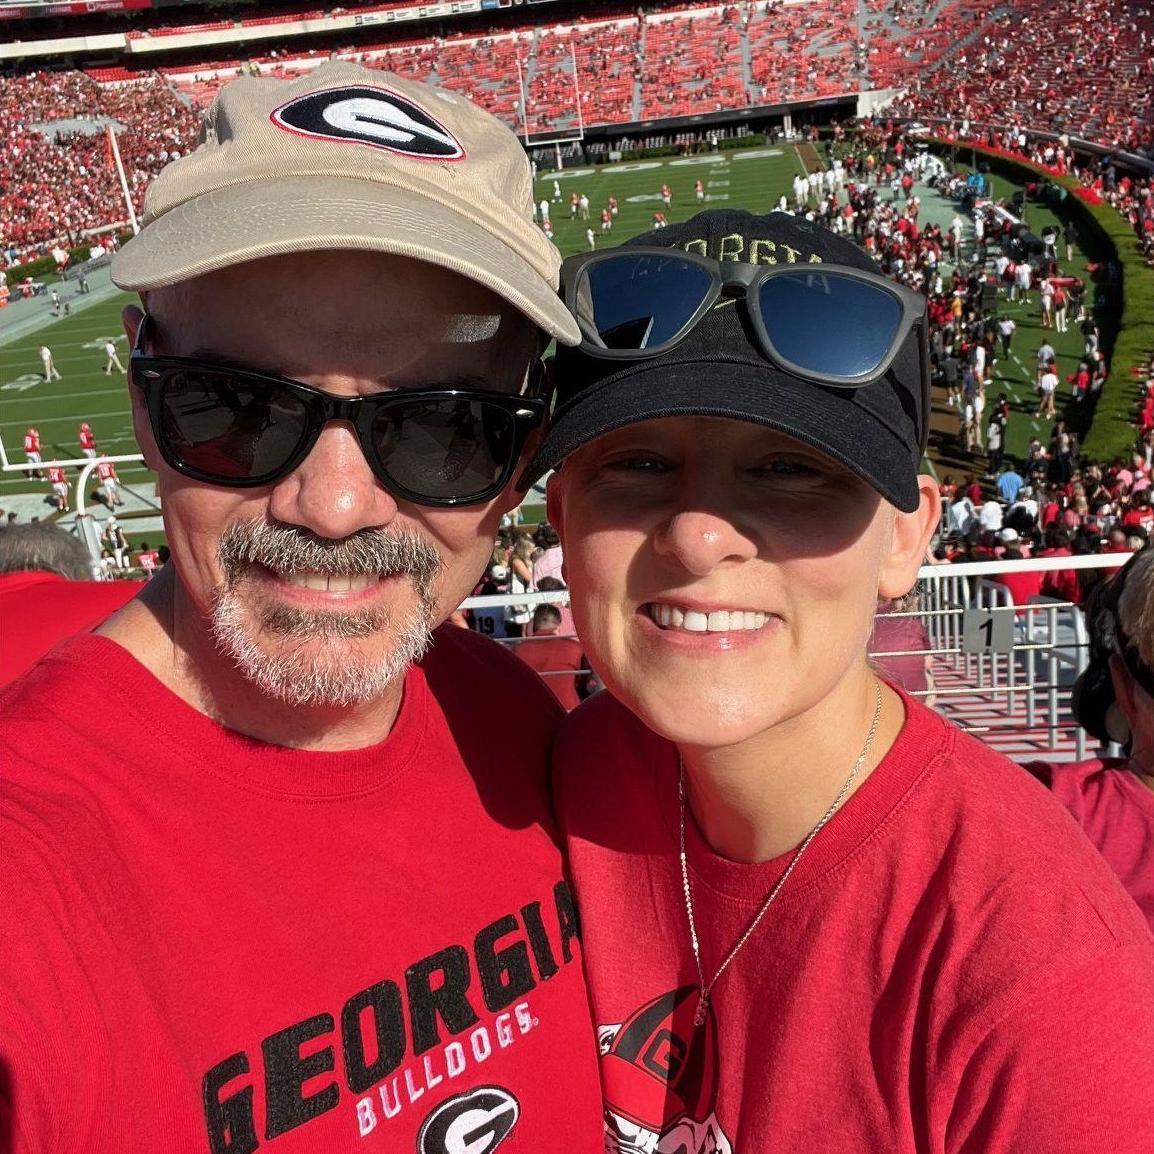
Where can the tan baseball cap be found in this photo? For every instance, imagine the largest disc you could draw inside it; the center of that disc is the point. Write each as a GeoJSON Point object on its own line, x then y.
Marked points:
{"type": "Point", "coordinates": [350, 158]}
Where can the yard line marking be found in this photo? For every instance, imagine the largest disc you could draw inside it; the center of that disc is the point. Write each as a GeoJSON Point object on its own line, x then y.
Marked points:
{"type": "Point", "coordinates": [76, 420]}
{"type": "Point", "coordinates": [88, 394]}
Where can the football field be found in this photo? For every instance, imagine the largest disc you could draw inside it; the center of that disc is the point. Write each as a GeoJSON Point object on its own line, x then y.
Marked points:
{"type": "Point", "coordinates": [752, 179]}
{"type": "Point", "coordinates": [84, 392]}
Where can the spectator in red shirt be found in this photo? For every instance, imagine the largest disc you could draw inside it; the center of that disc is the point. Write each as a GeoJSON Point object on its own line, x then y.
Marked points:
{"type": "Point", "coordinates": [552, 655]}
{"type": "Point", "coordinates": [1140, 513]}
{"type": "Point", "coordinates": [1023, 584]}
{"type": "Point", "coordinates": [47, 594]}
{"type": "Point", "coordinates": [1113, 798]}
{"type": "Point", "coordinates": [1117, 541]}
{"type": "Point", "coordinates": [1060, 583]}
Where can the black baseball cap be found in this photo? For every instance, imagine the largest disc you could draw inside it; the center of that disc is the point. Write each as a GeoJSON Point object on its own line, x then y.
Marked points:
{"type": "Point", "coordinates": [719, 370]}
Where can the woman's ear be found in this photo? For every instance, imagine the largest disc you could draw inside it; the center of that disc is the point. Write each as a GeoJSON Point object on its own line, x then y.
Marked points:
{"type": "Point", "coordinates": [909, 539]}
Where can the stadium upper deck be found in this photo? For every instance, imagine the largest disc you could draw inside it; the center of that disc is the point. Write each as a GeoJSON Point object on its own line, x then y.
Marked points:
{"type": "Point", "coordinates": [1090, 74]}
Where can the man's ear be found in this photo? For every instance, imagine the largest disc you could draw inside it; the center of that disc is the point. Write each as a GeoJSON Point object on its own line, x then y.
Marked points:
{"type": "Point", "coordinates": [131, 318]}
{"type": "Point", "coordinates": [910, 538]}
{"type": "Point", "coordinates": [539, 382]}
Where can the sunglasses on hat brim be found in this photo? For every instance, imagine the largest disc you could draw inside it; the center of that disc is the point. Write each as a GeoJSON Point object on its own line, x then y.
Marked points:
{"type": "Point", "coordinates": [829, 325]}
{"type": "Point", "coordinates": [240, 429]}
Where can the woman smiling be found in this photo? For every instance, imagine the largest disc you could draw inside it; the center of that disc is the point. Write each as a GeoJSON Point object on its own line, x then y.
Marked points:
{"type": "Point", "coordinates": [816, 916]}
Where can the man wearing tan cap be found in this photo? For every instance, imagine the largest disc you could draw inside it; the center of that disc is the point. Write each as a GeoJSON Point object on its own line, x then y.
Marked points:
{"type": "Point", "coordinates": [290, 892]}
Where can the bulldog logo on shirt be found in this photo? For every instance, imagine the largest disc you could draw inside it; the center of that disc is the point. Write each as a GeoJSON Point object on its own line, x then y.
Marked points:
{"type": "Point", "coordinates": [475, 1122]}
{"type": "Point", "coordinates": [659, 1080]}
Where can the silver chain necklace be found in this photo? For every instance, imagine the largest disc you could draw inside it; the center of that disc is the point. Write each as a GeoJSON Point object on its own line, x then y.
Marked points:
{"type": "Point", "coordinates": [706, 988]}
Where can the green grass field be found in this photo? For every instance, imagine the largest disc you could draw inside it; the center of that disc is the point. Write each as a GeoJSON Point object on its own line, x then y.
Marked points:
{"type": "Point", "coordinates": [753, 179]}
{"type": "Point", "coordinates": [83, 394]}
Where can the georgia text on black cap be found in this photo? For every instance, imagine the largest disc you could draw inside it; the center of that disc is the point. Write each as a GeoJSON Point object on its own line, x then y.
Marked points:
{"type": "Point", "coordinates": [720, 369]}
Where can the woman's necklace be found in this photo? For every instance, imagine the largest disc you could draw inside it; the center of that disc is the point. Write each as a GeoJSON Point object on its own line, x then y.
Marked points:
{"type": "Point", "coordinates": [706, 988]}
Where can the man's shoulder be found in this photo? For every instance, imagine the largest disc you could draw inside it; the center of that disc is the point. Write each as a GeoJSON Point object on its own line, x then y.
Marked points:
{"type": "Point", "coordinates": [596, 739]}
{"type": "Point", "coordinates": [481, 685]}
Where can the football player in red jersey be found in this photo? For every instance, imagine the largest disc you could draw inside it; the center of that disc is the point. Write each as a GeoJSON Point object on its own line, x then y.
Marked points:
{"type": "Point", "coordinates": [32, 451]}
{"type": "Point", "coordinates": [60, 487]}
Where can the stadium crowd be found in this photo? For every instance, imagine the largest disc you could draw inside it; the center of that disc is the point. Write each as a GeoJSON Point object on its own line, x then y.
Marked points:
{"type": "Point", "coordinates": [1054, 501]}
{"type": "Point", "coordinates": [1089, 74]}
{"type": "Point", "coordinates": [55, 185]}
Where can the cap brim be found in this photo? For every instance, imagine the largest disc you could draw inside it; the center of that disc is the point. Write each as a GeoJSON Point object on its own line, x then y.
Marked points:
{"type": "Point", "coordinates": [246, 222]}
{"type": "Point", "coordinates": [826, 419]}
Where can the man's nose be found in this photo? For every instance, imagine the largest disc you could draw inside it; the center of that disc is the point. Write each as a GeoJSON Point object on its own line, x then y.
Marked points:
{"type": "Point", "coordinates": [333, 492]}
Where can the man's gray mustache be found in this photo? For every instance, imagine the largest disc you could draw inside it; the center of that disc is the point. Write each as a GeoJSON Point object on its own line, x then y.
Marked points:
{"type": "Point", "coordinates": [284, 549]}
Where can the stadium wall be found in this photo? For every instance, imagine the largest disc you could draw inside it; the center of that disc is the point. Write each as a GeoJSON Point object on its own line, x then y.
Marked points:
{"type": "Point", "coordinates": [63, 47]}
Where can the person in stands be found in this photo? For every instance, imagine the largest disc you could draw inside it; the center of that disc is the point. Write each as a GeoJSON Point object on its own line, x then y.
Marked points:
{"type": "Point", "coordinates": [1113, 798]}
{"type": "Point", "coordinates": [558, 659]}
{"type": "Point", "coordinates": [840, 922]}
{"type": "Point", "coordinates": [47, 594]}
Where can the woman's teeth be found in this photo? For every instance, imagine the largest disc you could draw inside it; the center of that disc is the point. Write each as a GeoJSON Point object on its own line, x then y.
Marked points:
{"type": "Point", "coordinates": [331, 583]}
{"type": "Point", "coordinates": [694, 621]}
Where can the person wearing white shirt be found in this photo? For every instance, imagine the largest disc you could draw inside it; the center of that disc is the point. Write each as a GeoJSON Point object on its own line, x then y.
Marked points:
{"type": "Point", "coordinates": [990, 515]}
{"type": "Point", "coordinates": [1022, 277]}
{"type": "Point", "coordinates": [1047, 388]}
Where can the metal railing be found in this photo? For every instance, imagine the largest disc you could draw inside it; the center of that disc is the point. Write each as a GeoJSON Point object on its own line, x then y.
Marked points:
{"type": "Point", "coordinates": [1015, 696]}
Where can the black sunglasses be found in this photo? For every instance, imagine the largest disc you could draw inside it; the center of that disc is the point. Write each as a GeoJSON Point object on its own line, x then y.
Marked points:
{"type": "Point", "coordinates": [832, 325]}
{"type": "Point", "coordinates": [241, 429]}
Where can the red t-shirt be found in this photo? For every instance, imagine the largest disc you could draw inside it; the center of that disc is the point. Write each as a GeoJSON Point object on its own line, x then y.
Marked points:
{"type": "Point", "coordinates": [1116, 810]}
{"type": "Point", "coordinates": [87, 440]}
{"type": "Point", "coordinates": [39, 610]}
{"type": "Point", "coordinates": [951, 967]}
{"type": "Point", "coordinates": [1061, 583]}
{"type": "Point", "coordinates": [551, 655]}
{"type": "Point", "coordinates": [1022, 585]}
{"type": "Point", "coordinates": [56, 475]}
{"type": "Point", "coordinates": [210, 942]}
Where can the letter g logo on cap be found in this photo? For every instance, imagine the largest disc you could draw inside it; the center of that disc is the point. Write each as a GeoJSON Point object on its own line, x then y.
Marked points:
{"type": "Point", "coordinates": [375, 116]}
{"type": "Point", "coordinates": [476, 1122]}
